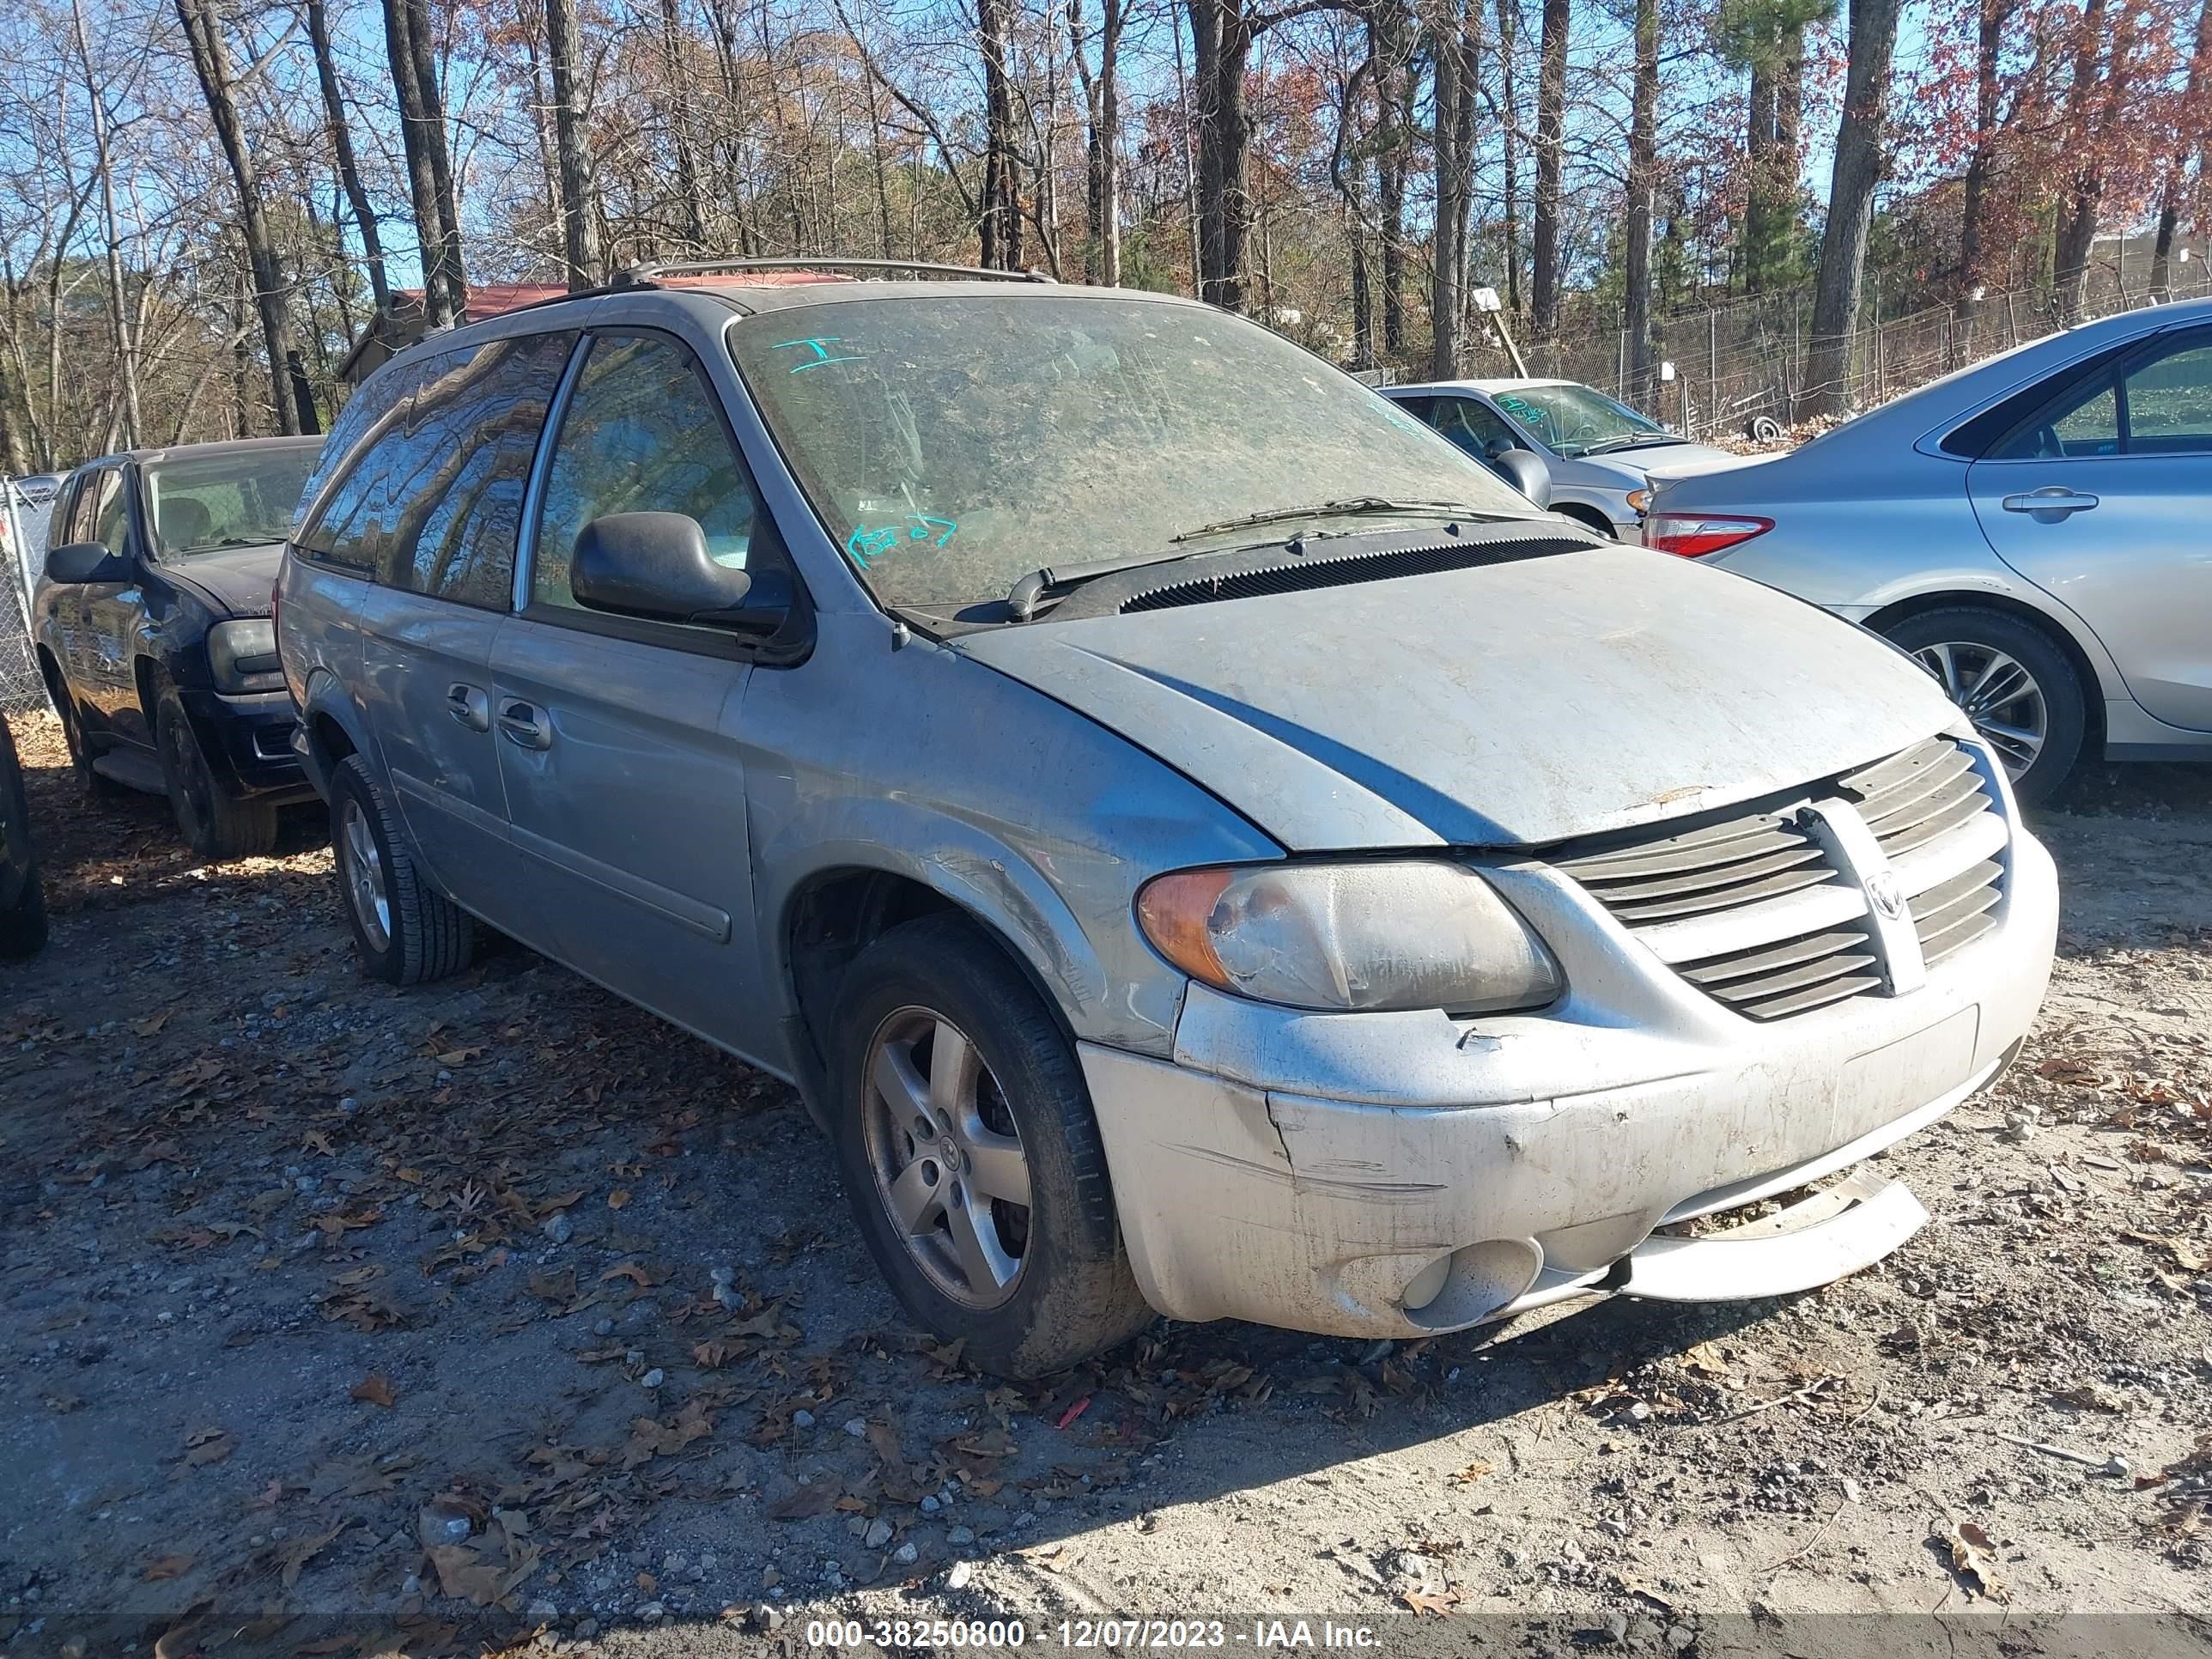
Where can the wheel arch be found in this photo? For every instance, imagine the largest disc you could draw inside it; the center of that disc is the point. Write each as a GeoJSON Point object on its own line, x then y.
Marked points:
{"type": "Point", "coordinates": [837, 911]}
{"type": "Point", "coordinates": [2095, 689]}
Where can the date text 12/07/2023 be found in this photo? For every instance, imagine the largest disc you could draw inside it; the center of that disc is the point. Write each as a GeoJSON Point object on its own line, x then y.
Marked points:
{"type": "Point", "coordinates": [1115, 1635]}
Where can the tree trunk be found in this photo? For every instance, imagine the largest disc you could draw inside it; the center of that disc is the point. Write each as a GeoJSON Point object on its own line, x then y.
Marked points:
{"type": "Point", "coordinates": [125, 342]}
{"type": "Point", "coordinates": [1455, 72]}
{"type": "Point", "coordinates": [349, 169]}
{"type": "Point", "coordinates": [294, 402]}
{"type": "Point", "coordinates": [682, 135]}
{"type": "Point", "coordinates": [1551, 132]}
{"type": "Point", "coordinates": [1001, 209]}
{"type": "Point", "coordinates": [1974, 206]}
{"type": "Point", "coordinates": [1102, 102]}
{"type": "Point", "coordinates": [1509, 34]}
{"type": "Point", "coordinates": [1858, 170]}
{"type": "Point", "coordinates": [1389, 44]}
{"type": "Point", "coordinates": [579, 230]}
{"type": "Point", "coordinates": [1222, 31]}
{"type": "Point", "coordinates": [421, 43]}
{"type": "Point", "coordinates": [2169, 212]}
{"type": "Point", "coordinates": [2077, 226]}
{"type": "Point", "coordinates": [1643, 198]}
{"type": "Point", "coordinates": [441, 308]}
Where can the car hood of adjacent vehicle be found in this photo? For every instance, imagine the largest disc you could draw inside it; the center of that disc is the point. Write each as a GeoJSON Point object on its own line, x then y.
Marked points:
{"type": "Point", "coordinates": [1632, 467]}
{"type": "Point", "coordinates": [235, 580]}
{"type": "Point", "coordinates": [1516, 704]}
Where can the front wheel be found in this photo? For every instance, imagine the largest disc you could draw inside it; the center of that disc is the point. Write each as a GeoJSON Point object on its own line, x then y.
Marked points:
{"type": "Point", "coordinates": [970, 1153]}
{"type": "Point", "coordinates": [2013, 682]}
{"type": "Point", "coordinates": [405, 930]}
{"type": "Point", "coordinates": [214, 824]}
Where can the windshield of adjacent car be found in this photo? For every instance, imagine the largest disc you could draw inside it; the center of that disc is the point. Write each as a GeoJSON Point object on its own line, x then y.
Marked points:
{"type": "Point", "coordinates": [953, 445]}
{"type": "Point", "coordinates": [204, 503]}
{"type": "Point", "coordinates": [1574, 420]}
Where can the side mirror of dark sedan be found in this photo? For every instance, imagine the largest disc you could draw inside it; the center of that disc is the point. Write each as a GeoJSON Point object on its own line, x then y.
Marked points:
{"type": "Point", "coordinates": [1525, 470]}
{"type": "Point", "coordinates": [656, 565]}
{"type": "Point", "coordinates": [86, 561]}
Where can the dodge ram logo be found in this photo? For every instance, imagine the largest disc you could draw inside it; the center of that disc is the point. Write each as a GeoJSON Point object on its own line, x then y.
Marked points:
{"type": "Point", "coordinates": [1882, 893]}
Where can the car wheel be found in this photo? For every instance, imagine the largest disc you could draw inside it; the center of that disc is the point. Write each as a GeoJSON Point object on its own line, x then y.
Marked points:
{"type": "Point", "coordinates": [2013, 682]}
{"type": "Point", "coordinates": [89, 783]}
{"type": "Point", "coordinates": [216, 823]}
{"type": "Point", "coordinates": [24, 924]}
{"type": "Point", "coordinates": [406, 931]}
{"type": "Point", "coordinates": [23, 918]}
{"type": "Point", "coordinates": [971, 1158]}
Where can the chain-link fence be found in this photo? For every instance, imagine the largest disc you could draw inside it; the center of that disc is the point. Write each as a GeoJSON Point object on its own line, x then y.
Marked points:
{"type": "Point", "coordinates": [1737, 365]}
{"type": "Point", "coordinates": [22, 556]}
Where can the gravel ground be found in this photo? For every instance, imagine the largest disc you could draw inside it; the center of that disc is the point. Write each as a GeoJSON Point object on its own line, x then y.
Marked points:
{"type": "Point", "coordinates": [344, 1320]}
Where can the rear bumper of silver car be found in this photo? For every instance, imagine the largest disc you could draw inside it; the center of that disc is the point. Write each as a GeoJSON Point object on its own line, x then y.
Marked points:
{"type": "Point", "coordinates": [1400, 1174]}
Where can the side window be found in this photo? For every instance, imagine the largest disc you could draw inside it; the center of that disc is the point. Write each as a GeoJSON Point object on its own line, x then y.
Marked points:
{"type": "Point", "coordinates": [2169, 401]}
{"type": "Point", "coordinates": [642, 434]}
{"type": "Point", "coordinates": [1418, 408]}
{"type": "Point", "coordinates": [112, 514]}
{"type": "Point", "coordinates": [377, 474]}
{"type": "Point", "coordinates": [73, 515]}
{"type": "Point", "coordinates": [477, 424]}
{"type": "Point", "coordinates": [1471, 425]}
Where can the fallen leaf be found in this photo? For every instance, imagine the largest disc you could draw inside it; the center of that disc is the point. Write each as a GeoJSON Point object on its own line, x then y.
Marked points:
{"type": "Point", "coordinates": [205, 1446]}
{"type": "Point", "coordinates": [300, 1551]}
{"type": "Point", "coordinates": [638, 1275]}
{"type": "Point", "coordinates": [460, 1056]}
{"type": "Point", "coordinates": [618, 1199]}
{"type": "Point", "coordinates": [376, 1388]}
{"type": "Point", "coordinates": [1974, 1554]}
{"type": "Point", "coordinates": [166, 1566]}
{"type": "Point", "coordinates": [1472, 1473]}
{"type": "Point", "coordinates": [1432, 1604]}
{"type": "Point", "coordinates": [818, 1497]}
{"type": "Point", "coordinates": [554, 1287]}
{"type": "Point", "coordinates": [317, 1141]}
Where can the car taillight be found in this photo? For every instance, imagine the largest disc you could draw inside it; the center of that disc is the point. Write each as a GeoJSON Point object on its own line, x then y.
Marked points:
{"type": "Point", "coordinates": [1693, 536]}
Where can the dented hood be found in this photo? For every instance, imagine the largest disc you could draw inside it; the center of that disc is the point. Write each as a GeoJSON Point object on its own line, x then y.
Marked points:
{"type": "Point", "coordinates": [1515, 704]}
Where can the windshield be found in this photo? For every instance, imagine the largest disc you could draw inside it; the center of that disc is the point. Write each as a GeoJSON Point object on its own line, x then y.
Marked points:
{"type": "Point", "coordinates": [200, 504]}
{"type": "Point", "coordinates": [952, 445]}
{"type": "Point", "coordinates": [1576, 419]}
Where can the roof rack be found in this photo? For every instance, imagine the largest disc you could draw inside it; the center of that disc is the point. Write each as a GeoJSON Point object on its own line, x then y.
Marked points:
{"type": "Point", "coordinates": [646, 276]}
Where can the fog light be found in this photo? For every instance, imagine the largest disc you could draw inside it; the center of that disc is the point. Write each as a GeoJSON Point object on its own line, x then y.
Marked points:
{"type": "Point", "coordinates": [1472, 1284]}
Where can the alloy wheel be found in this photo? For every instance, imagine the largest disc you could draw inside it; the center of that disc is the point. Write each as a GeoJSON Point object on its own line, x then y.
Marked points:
{"type": "Point", "coordinates": [1997, 693]}
{"type": "Point", "coordinates": [363, 868]}
{"type": "Point", "coordinates": [946, 1156]}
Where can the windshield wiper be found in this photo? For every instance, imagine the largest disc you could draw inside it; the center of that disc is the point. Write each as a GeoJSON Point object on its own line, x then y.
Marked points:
{"type": "Point", "coordinates": [1348, 504]}
{"type": "Point", "coordinates": [1024, 596]}
{"type": "Point", "coordinates": [1633, 440]}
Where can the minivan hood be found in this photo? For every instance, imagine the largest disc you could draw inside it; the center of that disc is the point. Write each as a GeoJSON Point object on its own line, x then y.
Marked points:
{"type": "Point", "coordinates": [1514, 704]}
{"type": "Point", "coordinates": [235, 581]}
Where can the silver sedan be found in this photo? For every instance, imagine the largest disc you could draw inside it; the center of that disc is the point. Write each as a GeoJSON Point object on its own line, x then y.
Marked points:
{"type": "Point", "coordinates": [2033, 530]}
{"type": "Point", "coordinates": [1599, 452]}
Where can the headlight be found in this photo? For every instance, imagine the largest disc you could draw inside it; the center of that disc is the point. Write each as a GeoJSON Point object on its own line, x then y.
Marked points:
{"type": "Point", "coordinates": [240, 651]}
{"type": "Point", "coordinates": [1637, 500]}
{"type": "Point", "coordinates": [1408, 934]}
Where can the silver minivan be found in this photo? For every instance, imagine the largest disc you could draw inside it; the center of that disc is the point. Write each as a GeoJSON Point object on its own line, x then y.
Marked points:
{"type": "Point", "coordinates": [1198, 842]}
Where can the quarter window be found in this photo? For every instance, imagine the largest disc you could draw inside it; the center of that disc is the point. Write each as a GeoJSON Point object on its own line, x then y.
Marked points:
{"type": "Point", "coordinates": [2170, 403]}
{"type": "Point", "coordinates": [2163, 406]}
{"type": "Point", "coordinates": [642, 434]}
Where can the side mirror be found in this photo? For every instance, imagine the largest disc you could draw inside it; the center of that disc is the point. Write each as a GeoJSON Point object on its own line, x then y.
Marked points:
{"type": "Point", "coordinates": [1501, 445]}
{"type": "Point", "coordinates": [86, 561]}
{"type": "Point", "coordinates": [1525, 470]}
{"type": "Point", "coordinates": [655, 565]}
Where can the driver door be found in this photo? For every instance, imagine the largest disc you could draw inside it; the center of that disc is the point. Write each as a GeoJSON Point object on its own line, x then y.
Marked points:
{"type": "Point", "coordinates": [2099, 500]}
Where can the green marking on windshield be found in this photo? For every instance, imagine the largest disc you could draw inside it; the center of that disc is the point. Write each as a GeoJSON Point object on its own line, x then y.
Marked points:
{"type": "Point", "coordinates": [820, 346]}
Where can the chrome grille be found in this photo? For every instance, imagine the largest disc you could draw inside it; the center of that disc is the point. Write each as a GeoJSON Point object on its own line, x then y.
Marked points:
{"type": "Point", "coordinates": [1753, 911]}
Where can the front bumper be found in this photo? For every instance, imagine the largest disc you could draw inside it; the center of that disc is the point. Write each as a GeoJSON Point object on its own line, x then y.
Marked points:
{"type": "Point", "coordinates": [1400, 1174]}
{"type": "Point", "coordinates": [247, 738]}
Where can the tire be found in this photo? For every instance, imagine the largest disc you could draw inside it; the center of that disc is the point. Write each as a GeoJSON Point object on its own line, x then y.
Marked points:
{"type": "Point", "coordinates": [424, 935]}
{"type": "Point", "coordinates": [1072, 1294]}
{"type": "Point", "coordinates": [23, 919]}
{"type": "Point", "coordinates": [1974, 640]}
{"type": "Point", "coordinates": [214, 824]}
{"type": "Point", "coordinates": [90, 784]}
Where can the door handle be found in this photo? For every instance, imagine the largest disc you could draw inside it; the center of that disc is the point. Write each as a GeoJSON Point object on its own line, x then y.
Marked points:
{"type": "Point", "coordinates": [469, 705]}
{"type": "Point", "coordinates": [525, 725]}
{"type": "Point", "coordinates": [2050, 504]}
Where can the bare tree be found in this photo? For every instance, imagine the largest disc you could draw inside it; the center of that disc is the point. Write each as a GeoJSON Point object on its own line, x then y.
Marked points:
{"type": "Point", "coordinates": [580, 232]}
{"type": "Point", "coordinates": [1858, 164]}
{"type": "Point", "coordinates": [1102, 98]}
{"type": "Point", "coordinates": [1642, 193]}
{"type": "Point", "coordinates": [338, 132]}
{"type": "Point", "coordinates": [1551, 137]}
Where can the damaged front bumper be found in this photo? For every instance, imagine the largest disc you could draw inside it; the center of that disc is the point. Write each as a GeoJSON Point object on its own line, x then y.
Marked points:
{"type": "Point", "coordinates": [1400, 1174]}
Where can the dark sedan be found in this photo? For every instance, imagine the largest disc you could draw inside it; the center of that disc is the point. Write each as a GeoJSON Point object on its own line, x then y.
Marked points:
{"type": "Point", "coordinates": [154, 636]}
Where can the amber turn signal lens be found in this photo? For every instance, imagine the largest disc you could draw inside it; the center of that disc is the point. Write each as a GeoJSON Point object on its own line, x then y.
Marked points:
{"type": "Point", "coordinates": [1173, 910]}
